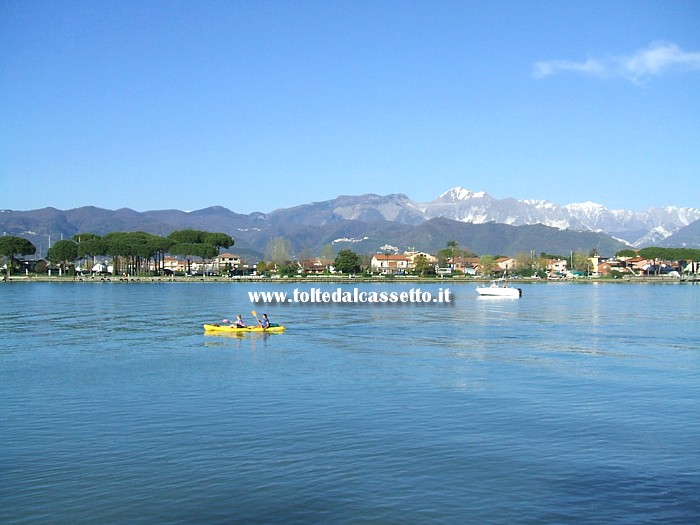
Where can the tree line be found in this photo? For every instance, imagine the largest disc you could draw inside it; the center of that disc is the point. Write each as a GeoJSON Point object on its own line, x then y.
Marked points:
{"type": "Point", "coordinates": [663, 254]}
{"type": "Point", "coordinates": [136, 252]}
{"type": "Point", "coordinates": [132, 251]}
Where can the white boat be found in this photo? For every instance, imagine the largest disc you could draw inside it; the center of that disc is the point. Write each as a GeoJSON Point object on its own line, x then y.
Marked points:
{"type": "Point", "coordinates": [499, 288]}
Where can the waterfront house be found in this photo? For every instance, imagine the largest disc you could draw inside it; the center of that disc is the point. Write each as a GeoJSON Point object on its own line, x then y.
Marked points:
{"type": "Point", "coordinates": [506, 263]}
{"type": "Point", "coordinates": [557, 266]}
{"type": "Point", "coordinates": [313, 266]}
{"type": "Point", "coordinates": [173, 264]}
{"type": "Point", "coordinates": [466, 265]}
{"type": "Point", "coordinates": [412, 258]}
{"type": "Point", "coordinates": [389, 264]}
{"type": "Point", "coordinates": [226, 262]}
{"type": "Point", "coordinates": [606, 267]}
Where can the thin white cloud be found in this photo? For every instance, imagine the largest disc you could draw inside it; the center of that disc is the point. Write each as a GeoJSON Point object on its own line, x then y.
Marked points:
{"type": "Point", "coordinates": [544, 69]}
{"type": "Point", "coordinates": [659, 58]}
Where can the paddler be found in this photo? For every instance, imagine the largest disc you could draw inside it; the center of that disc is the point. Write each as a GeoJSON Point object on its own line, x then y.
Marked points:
{"type": "Point", "coordinates": [264, 322]}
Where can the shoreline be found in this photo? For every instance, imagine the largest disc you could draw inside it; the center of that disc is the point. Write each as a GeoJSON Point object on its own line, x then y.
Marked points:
{"type": "Point", "coordinates": [336, 280]}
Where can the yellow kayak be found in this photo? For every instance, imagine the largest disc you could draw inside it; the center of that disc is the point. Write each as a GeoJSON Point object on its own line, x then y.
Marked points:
{"type": "Point", "coordinates": [231, 329]}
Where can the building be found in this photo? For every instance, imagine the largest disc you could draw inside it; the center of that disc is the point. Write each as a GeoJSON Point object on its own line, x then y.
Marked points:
{"type": "Point", "coordinates": [226, 262]}
{"type": "Point", "coordinates": [506, 263]}
{"type": "Point", "coordinates": [412, 258]}
{"type": "Point", "coordinates": [466, 265]}
{"type": "Point", "coordinates": [173, 264]}
{"type": "Point", "coordinates": [314, 267]}
{"type": "Point", "coordinates": [557, 266]}
{"type": "Point", "coordinates": [390, 264]}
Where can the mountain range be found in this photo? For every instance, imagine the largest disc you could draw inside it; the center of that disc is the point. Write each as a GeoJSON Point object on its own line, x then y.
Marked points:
{"type": "Point", "coordinates": [373, 223]}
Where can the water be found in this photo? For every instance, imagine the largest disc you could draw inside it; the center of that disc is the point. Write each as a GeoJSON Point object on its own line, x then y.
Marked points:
{"type": "Point", "coordinates": [574, 404]}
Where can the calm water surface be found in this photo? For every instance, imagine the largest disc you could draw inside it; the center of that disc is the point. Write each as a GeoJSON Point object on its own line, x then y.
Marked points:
{"type": "Point", "coordinates": [575, 404]}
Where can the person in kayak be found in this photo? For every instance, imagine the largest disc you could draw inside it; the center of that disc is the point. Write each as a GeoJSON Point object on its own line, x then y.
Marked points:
{"type": "Point", "coordinates": [264, 322]}
{"type": "Point", "coordinates": [239, 322]}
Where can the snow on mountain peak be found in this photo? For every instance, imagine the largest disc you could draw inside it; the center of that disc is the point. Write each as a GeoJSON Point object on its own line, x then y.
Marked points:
{"type": "Point", "coordinates": [460, 194]}
{"type": "Point", "coordinates": [540, 204]}
{"type": "Point", "coordinates": [585, 207]}
{"type": "Point", "coordinates": [592, 213]}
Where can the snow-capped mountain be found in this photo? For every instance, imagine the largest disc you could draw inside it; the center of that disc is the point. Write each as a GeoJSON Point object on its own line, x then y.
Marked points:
{"type": "Point", "coordinates": [357, 216]}
{"type": "Point", "coordinates": [478, 207]}
{"type": "Point", "coordinates": [638, 228]}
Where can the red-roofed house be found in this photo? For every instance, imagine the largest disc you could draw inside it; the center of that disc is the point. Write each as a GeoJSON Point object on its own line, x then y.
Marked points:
{"type": "Point", "coordinates": [387, 263]}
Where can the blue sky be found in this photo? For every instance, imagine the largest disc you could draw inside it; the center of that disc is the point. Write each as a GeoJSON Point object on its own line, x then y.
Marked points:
{"type": "Point", "coordinates": [258, 105]}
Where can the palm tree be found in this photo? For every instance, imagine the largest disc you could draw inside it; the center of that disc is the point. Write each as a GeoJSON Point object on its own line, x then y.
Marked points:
{"type": "Point", "coordinates": [452, 245]}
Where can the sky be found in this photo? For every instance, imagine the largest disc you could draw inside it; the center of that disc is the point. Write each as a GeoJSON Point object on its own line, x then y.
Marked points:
{"type": "Point", "coordinates": [260, 105]}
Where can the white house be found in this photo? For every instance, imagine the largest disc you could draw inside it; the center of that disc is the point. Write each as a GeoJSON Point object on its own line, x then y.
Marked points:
{"type": "Point", "coordinates": [227, 260]}
{"type": "Point", "coordinates": [387, 263]}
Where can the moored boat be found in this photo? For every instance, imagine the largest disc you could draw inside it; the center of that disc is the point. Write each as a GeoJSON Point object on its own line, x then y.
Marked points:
{"type": "Point", "coordinates": [499, 288]}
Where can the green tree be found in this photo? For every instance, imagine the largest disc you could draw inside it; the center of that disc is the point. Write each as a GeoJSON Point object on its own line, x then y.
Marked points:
{"type": "Point", "coordinates": [84, 237]}
{"type": "Point", "coordinates": [680, 255]}
{"type": "Point", "coordinates": [197, 243]}
{"type": "Point", "coordinates": [347, 262]}
{"type": "Point", "coordinates": [545, 256]}
{"type": "Point", "coordinates": [422, 266]}
{"type": "Point", "coordinates": [580, 262]}
{"type": "Point", "coordinates": [488, 264]}
{"type": "Point", "coordinates": [11, 246]}
{"type": "Point", "coordinates": [366, 263]}
{"type": "Point", "coordinates": [63, 253]}
{"type": "Point", "coordinates": [288, 269]}
{"type": "Point", "coordinates": [157, 248]}
{"type": "Point", "coordinates": [451, 253]}
{"type": "Point", "coordinates": [41, 267]}
{"type": "Point", "coordinates": [447, 254]}
{"type": "Point", "coordinates": [89, 246]}
{"type": "Point", "coordinates": [653, 252]}
{"type": "Point", "coordinates": [443, 256]}
{"type": "Point", "coordinates": [188, 236]}
{"type": "Point", "coordinates": [189, 250]}
{"type": "Point", "coordinates": [218, 240]}
{"type": "Point", "coordinates": [524, 264]}
{"type": "Point", "coordinates": [116, 245]}
{"type": "Point", "coordinates": [134, 249]}
{"type": "Point", "coordinates": [186, 250]}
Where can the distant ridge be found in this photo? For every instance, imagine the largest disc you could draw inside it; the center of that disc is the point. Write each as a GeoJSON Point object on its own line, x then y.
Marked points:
{"type": "Point", "coordinates": [366, 222]}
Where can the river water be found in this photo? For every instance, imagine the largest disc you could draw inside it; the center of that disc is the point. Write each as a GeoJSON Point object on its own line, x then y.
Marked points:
{"type": "Point", "coordinates": [578, 403]}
